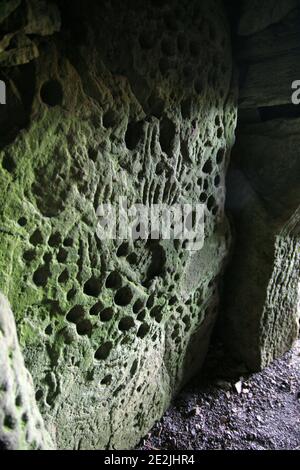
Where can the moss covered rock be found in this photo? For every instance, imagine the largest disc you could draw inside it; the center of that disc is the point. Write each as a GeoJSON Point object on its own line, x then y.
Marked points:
{"type": "Point", "coordinates": [140, 105]}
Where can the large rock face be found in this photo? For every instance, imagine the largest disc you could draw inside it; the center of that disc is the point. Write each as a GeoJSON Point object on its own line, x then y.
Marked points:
{"type": "Point", "coordinates": [261, 319]}
{"type": "Point", "coordinates": [269, 59]}
{"type": "Point", "coordinates": [262, 284]}
{"type": "Point", "coordinates": [140, 105]}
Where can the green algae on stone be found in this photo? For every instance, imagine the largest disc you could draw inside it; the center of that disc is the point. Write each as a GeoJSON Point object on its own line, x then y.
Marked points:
{"type": "Point", "coordinates": [111, 332]}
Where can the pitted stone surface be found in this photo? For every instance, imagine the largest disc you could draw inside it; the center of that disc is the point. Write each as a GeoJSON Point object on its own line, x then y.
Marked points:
{"type": "Point", "coordinates": [262, 286]}
{"type": "Point", "coordinates": [141, 107]}
{"type": "Point", "coordinates": [21, 424]}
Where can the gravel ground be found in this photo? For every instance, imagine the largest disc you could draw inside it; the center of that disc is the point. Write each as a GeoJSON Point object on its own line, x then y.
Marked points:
{"type": "Point", "coordinates": [259, 412]}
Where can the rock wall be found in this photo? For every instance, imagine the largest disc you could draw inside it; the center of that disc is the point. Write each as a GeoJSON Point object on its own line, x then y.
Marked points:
{"type": "Point", "coordinates": [22, 425]}
{"type": "Point", "coordinates": [129, 99]}
{"type": "Point", "coordinates": [261, 320]}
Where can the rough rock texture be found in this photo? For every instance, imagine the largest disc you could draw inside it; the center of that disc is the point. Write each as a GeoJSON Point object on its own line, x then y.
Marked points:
{"type": "Point", "coordinates": [19, 20]}
{"type": "Point", "coordinates": [260, 46]}
{"type": "Point", "coordinates": [262, 288]}
{"type": "Point", "coordinates": [270, 63]}
{"type": "Point", "coordinates": [21, 424]}
{"type": "Point", "coordinates": [261, 318]}
{"type": "Point", "coordinates": [142, 106]}
{"type": "Point", "coordinates": [257, 15]}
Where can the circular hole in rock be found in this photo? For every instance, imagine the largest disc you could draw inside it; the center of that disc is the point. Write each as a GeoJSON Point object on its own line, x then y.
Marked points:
{"type": "Point", "coordinates": [92, 287]}
{"type": "Point", "coordinates": [64, 277]}
{"type": "Point", "coordinates": [132, 258]}
{"type": "Point", "coordinates": [103, 351]}
{"type": "Point", "coordinates": [29, 255]}
{"type": "Point", "coordinates": [205, 185]}
{"type": "Point", "coordinates": [134, 134]}
{"type": "Point", "coordinates": [52, 93]}
{"type": "Point", "coordinates": [217, 120]}
{"type": "Point", "coordinates": [207, 167]}
{"type": "Point", "coordinates": [71, 294]}
{"type": "Point", "coordinates": [138, 306]}
{"type": "Point", "coordinates": [159, 169]}
{"type": "Point", "coordinates": [123, 250]}
{"type": "Point", "coordinates": [203, 197]}
{"type": "Point", "coordinates": [8, 163]}
{"type": "Point", "coordinates": [217, 181]}
{"type": "Point", "coordinates": [114, 280]}
{"type": "Point", "coordinates": [150, 301]}
{"type": "Point", "coordinates": [156, 313]}
{"type": "Point", "coordinates": [173, 300]}
{"type": "Point", "coordinates": [126, 323]}
{"type": "Point", "coordinates": [9, 422]}
{"type": "Point", "coordinates": [84, 327]}
{"type": "Point", "coordinates": [55, 239]}
{"type": "Point", "coordinates": [75, 314]}
{"type": "Point", "coordinates": [93, 154]}
{"type": "Point", "coordinates": [62, 255]}
{"type": "Point", "coordinates": [18, 401]}
{"type": "Point", "coordinates": [143, 330]}
{"type": "Point", "coordinates": [49, 330]}
{"type": "Point", "coordinates": [134, 367]}
{"type": "Point", "coordinates": [166, 135]}
{"type": "Point", "coordinates": [68, 242]}
{"type": "Point", "coordinates": [47, 257]}
{"type": "Point", "coordinates": [141, 316]}
{"type": "Point", "coordinates": [39, 395]}
{"type": "Point", "coordinates": [22, 221]}
{"type": "Point", "coordinates": [36, 238]}
{"type": "Point", "coordinates": [96, 309]}
{"type": "Point", "coordinates": [106, 380]}
{"type": "Point", "coordinates": [41, 275]}
{"type": "Point", "coordinates": [124, 296]}
{"type": "Point", "coordinates": [107, 314]}
{"type": "Point", "coordinates": [220, 156]}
